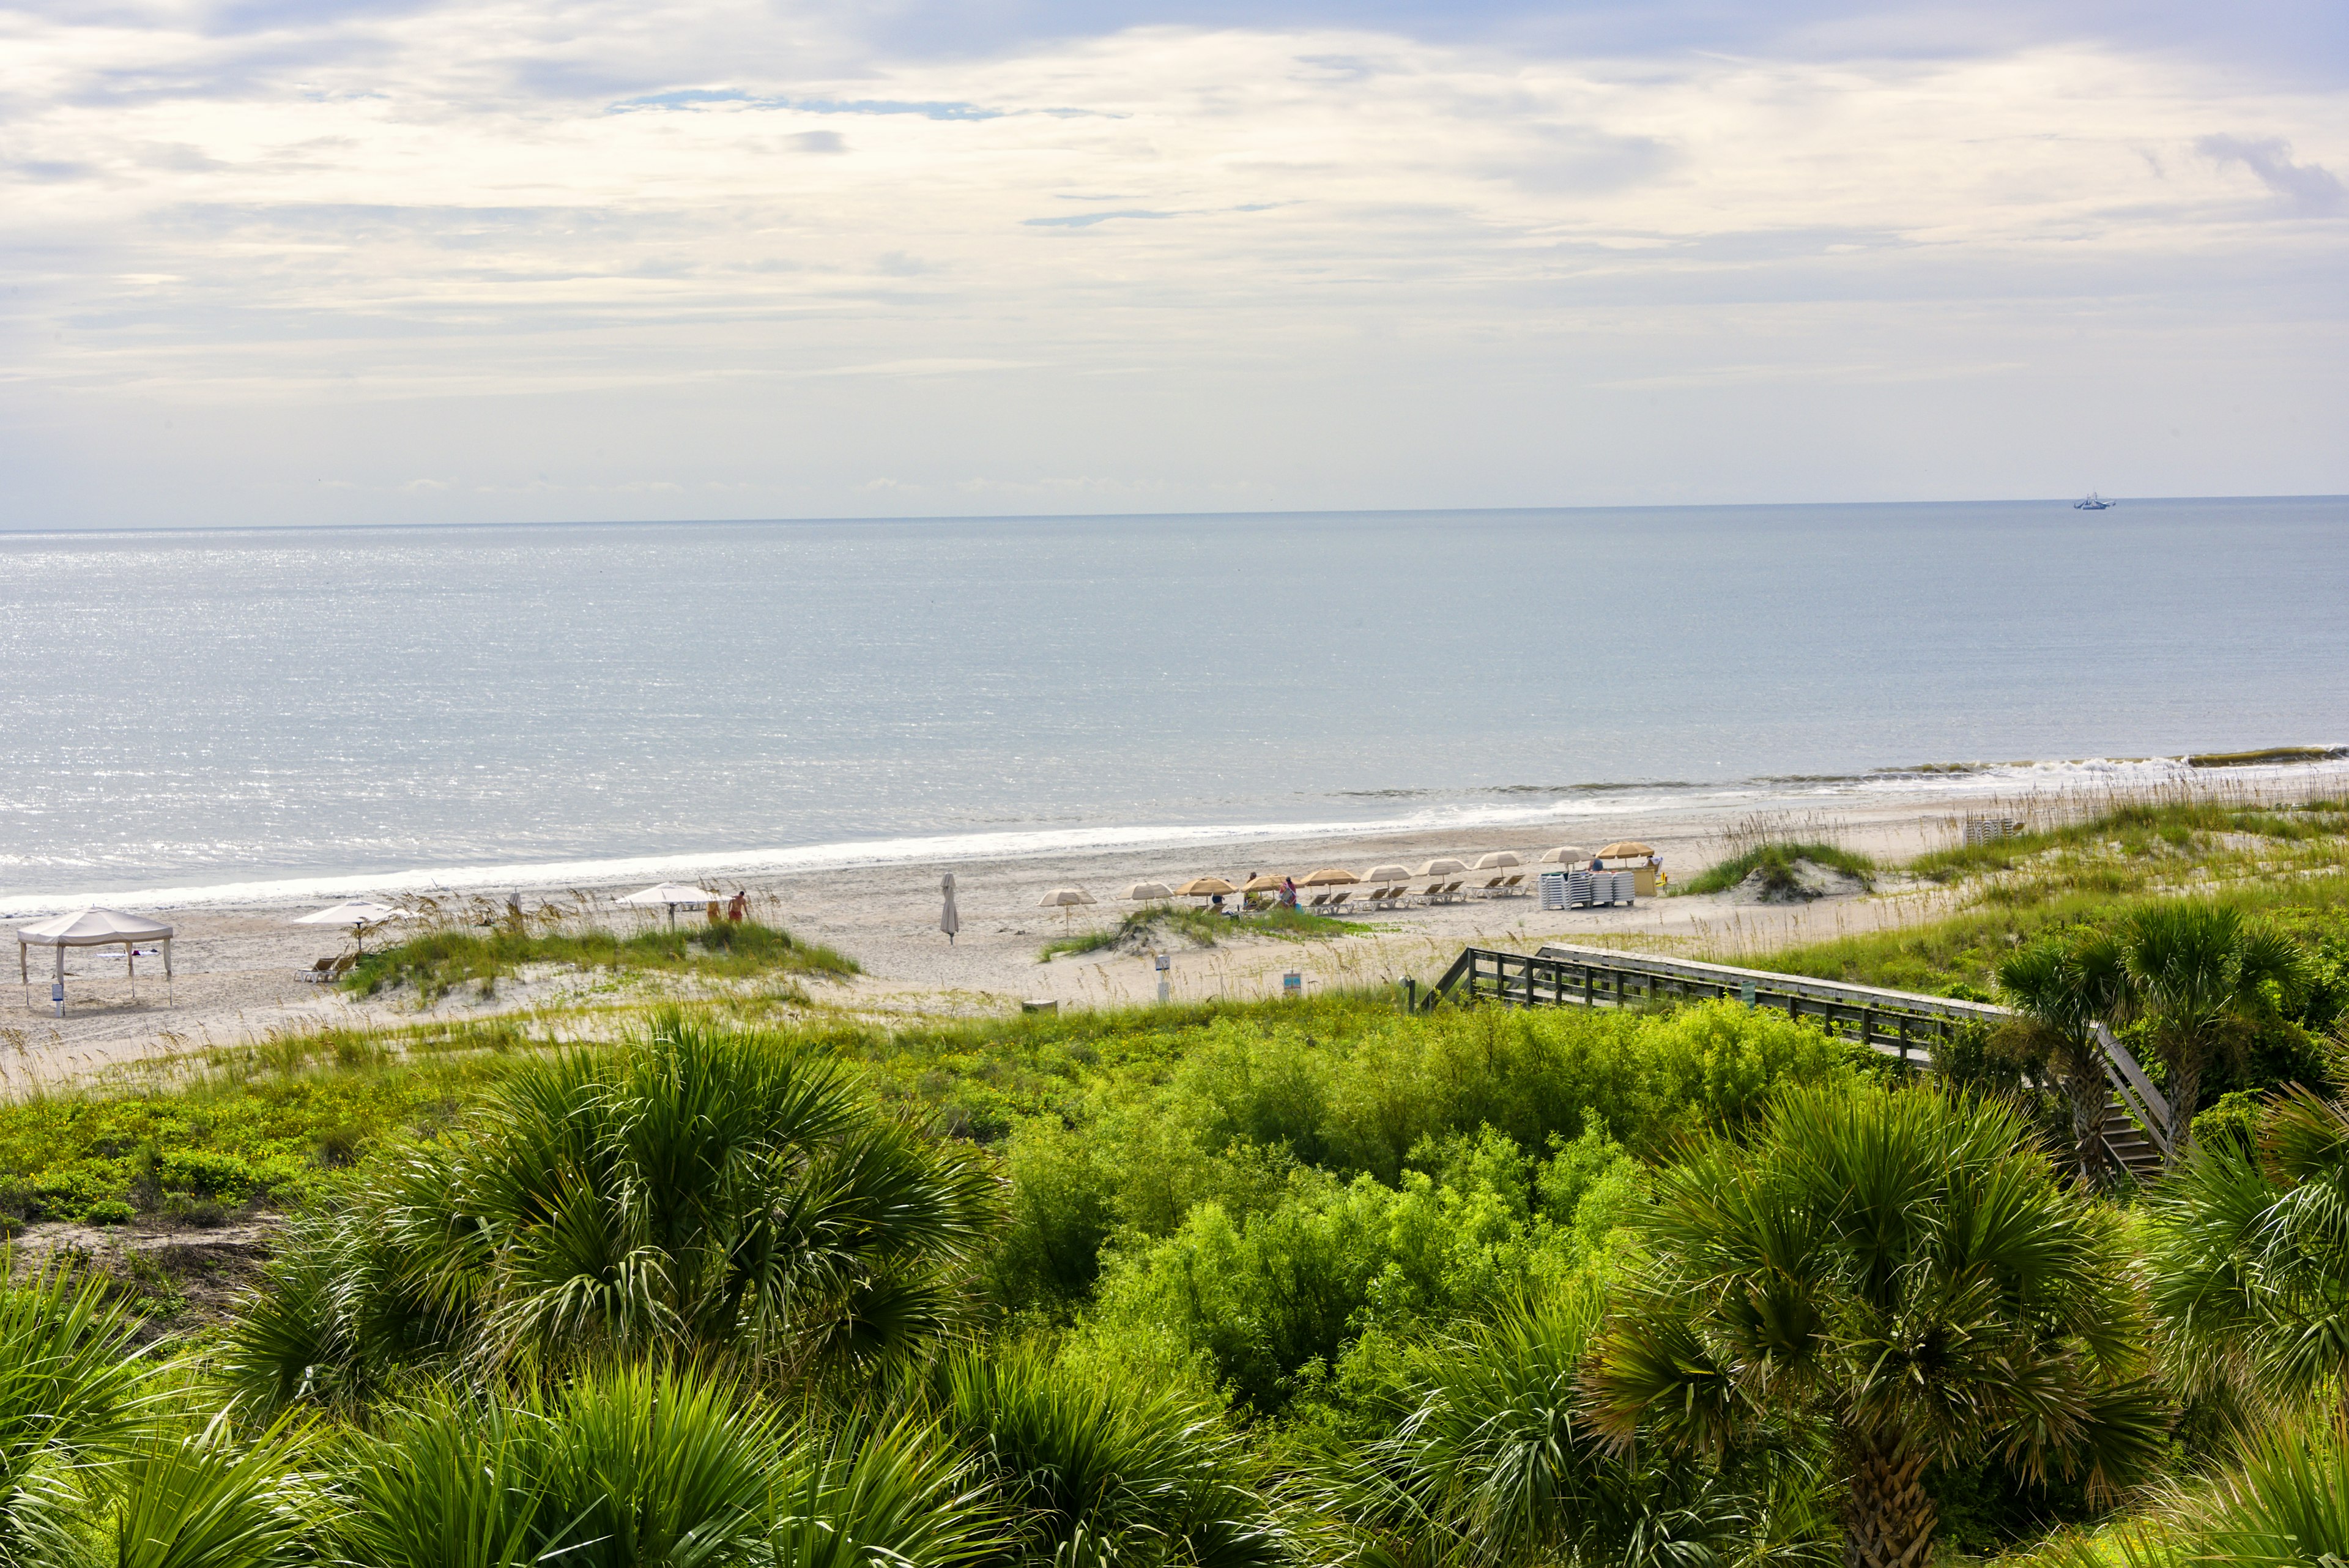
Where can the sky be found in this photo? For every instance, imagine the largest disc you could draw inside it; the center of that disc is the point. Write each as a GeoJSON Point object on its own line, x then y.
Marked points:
{"type": "Point", "coordinates": [278, 262]}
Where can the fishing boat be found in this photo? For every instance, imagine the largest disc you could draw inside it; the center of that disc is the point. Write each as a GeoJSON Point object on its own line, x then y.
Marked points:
{"type": "Point", "coordinates": [2092, 501]}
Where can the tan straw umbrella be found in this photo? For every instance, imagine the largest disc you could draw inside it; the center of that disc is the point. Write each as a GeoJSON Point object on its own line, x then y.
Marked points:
{"type": "Point", "coordinates": [1627, 849]}
{"type": "Point", "coordinates": [1329, 876]}
{"type": "Point", "coordinates": [1203, 887]}
{"type": "Point", "coordinates": [1066, 900]}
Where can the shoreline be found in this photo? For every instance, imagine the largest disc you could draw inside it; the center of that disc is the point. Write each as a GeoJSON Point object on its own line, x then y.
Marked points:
{"type": "Point", "coordinates": [1582, 811]}
{"type": "Point", "coordinates": [238, 962]}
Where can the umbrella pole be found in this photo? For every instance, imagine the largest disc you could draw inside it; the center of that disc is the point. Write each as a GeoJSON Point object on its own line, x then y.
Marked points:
{"type": "Point", "coordinates": [61, 979]}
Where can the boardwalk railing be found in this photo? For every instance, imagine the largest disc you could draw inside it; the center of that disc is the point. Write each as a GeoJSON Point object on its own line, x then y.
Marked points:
{"type": "Point", "coordinates": [1899, 1023]}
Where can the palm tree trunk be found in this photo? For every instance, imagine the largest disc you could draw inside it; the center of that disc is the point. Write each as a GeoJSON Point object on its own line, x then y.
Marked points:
{"type": "Point", "coordinates": [2084, 1086]}
{"type": "Point", "coordinates": [2185, 1094]}
{"type": "Point", "coordinates": [1888, 1520]}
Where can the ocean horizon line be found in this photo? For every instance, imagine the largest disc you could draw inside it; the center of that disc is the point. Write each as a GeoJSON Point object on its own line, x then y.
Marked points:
{"type": "Point", "coordinates": [833, 519]}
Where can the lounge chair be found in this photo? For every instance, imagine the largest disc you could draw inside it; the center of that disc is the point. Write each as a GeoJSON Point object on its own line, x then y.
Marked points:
{"type": "Point", "coordinates": [342, 964]}
{"type": "Point", "coordinates": [1487, 888]}
{"type": "Point", "coordinates": [316, 974]}
{"type": "Point", "coordinates": [1318, 900]}
{"type": "Point", "coordinates": [1434, 890]}
{"type": "Point", "coordinates": [1452, 890]}
{"type": "Point", "coordinates": [1511, 885]}
{"type": "Point", "coordinates": [1338, 900]}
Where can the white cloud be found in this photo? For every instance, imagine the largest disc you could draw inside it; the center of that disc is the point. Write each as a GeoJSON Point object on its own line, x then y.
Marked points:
{"type": "Point", "coordinates": [1316, 267]}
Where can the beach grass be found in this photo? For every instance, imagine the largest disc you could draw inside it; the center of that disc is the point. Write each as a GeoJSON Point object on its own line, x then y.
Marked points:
{"type": "Point", "coordinates": [438, 961]}
{"type": "Point", "coordinates": [1775, 861]}
{"type": "Point", "coordinates": [1964, 949]}
{"type": "Point", "coordinates": [2140, 832]}
{"type": "Point", "coordinates": [1144, 929]}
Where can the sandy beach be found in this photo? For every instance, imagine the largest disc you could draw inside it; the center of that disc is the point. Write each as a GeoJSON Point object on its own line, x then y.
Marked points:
{"type": "Point", "coordinates": [237, 967]}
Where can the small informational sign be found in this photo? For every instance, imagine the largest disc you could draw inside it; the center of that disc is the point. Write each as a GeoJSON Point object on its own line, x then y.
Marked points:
{"type": "Point", "coordinates": [1745, 992]}
{"type": "Point", "coordinates": [1166, 963]}
{"type": "Point", "coordinates": [1292, 985]}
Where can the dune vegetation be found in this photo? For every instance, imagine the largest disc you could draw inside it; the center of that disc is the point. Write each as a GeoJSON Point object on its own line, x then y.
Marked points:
{"type": "Point", "coordinates": [1307, 1283]}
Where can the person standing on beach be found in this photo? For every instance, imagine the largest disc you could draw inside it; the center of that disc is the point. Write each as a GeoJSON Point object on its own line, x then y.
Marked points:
{"type": "Point", "coordinates": [1289, 892]}
{"type": "Point", "coordinates": [739, 907]}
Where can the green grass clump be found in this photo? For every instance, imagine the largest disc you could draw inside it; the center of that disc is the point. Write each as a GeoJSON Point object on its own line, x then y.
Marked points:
{"type": "Point", "coordinates": [438, 963]}
{"type": "Point", "coordinates": [244, 1132]}
{"type": "Point", "coordinates": [1201, 928]}
{"type": "Point", "coordinates": [1775, 861]}
{"type": "Point", "coordinates": [2146, 835]}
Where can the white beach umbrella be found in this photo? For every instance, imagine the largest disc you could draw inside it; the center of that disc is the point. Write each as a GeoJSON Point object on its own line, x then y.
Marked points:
{"type": "Point", "coordinates": [1066, 900]}
{"type": "Point", "coordinates": [1144, 892]}
{"type": "Point", "coordinates": [671, 894]}
{"type": "Point", "coordinates": [1387, 874]}
{"type": "Point", "coordinates": [949, 919]}
{"type": "Point", "coordinates": [1565, 855]}
{"type": "Point", "coordinates": [1499, 860]}
{"type": "Point", "coordinates": [1443, 865]}
{"type": "Point", "coordinates": [92, 927]}
{"type": "Point", "coordinates": [359, 916]}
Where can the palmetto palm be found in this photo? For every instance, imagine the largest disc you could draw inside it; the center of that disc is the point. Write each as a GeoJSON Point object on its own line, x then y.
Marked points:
{"type": "Point", "coordinates": [2063, 988]}
{"type": "Point", "coordinates": [70, 1392]}
{"type": "Point", "coordinates": [702, 1190]}
{"type": "Point", "coordinates": [1100, 1475]}
{"type": "Point", "coordinates": [2250, 1255]}
{"type": "Point", "coordinates": [2284, 1504]}
{"type": "Point", "coordinates": [1498, 1463]}
{"type": "Point", "coordinates": [2206, 975]}
{"type": "Point", "coordinates": [1897, 1266]}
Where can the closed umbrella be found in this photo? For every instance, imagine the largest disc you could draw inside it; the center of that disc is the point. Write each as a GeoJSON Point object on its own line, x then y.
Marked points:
{"type": "Point", "coordinates": [359, 916]}
{"type": "Point", "coordinates": [950, 921]}
{"type": "Point", "coordinates": [92, 927]}
{"type": "Point", "coordinates": [671, 894]}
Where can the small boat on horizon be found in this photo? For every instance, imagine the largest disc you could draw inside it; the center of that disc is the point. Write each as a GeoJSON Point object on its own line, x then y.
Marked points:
{"type": "Point", "coordinates": [2092, 501]}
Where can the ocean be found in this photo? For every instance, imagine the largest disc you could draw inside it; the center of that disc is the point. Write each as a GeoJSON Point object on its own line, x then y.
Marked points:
{"type": "Point", "coordinates": [209, 713]}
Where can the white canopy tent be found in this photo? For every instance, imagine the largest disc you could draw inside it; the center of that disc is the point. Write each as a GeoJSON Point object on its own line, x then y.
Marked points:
{"type": "Point", "coordinates": [672, 894]}
{"type": "Point", "coordinates": [91, 927]}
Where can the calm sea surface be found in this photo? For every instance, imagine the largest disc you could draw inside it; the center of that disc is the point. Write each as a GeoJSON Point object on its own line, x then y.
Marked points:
{"type": "Point", "coordinates": [198, 708]}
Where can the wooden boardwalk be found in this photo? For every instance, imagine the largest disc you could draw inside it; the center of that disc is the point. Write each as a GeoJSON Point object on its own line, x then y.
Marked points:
{"type": "Point", "coordinates": [1899, 1023]}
